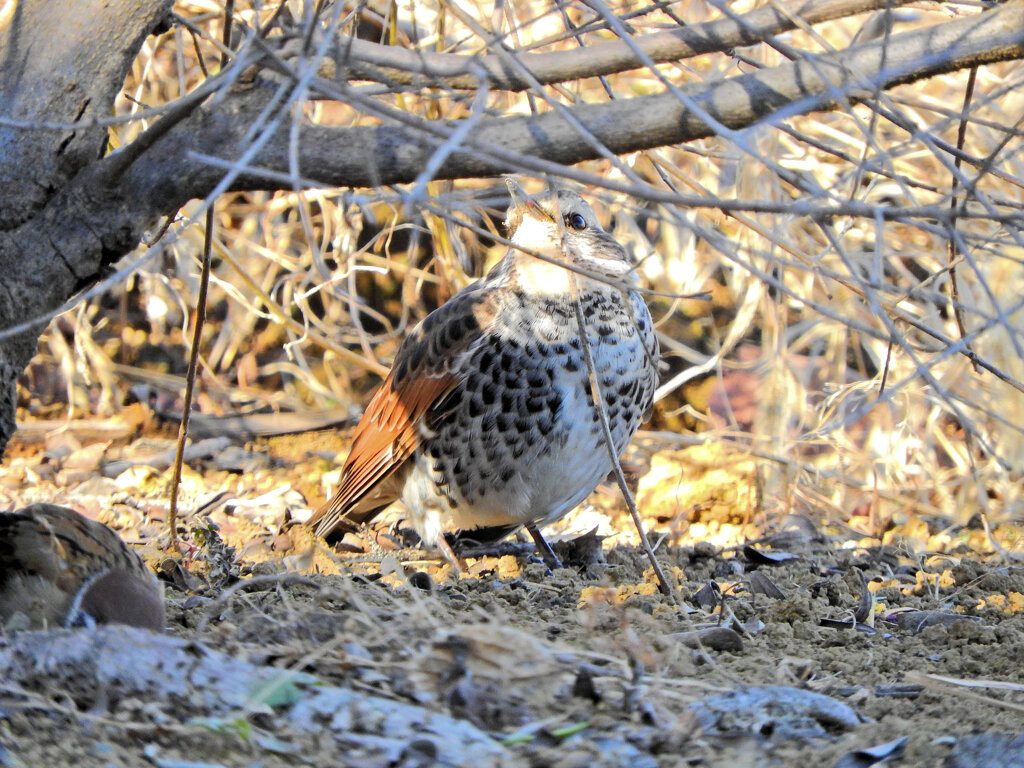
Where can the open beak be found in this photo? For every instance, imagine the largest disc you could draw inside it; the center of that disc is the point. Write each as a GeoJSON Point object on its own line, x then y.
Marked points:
{"type": "Point", "coordinates": [524, 204]}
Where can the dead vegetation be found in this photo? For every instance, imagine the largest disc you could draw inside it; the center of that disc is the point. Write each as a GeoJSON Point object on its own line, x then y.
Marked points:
{"type": "Point", "coordinates": [855, 378]}
{"type": "Point", "coordinates": [868, 361]}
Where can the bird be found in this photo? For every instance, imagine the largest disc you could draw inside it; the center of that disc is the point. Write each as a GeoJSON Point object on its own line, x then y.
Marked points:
{"type": "Point", "coordinates": [61, 569]}
{"type": "Point", "coordinates": [487, 417]}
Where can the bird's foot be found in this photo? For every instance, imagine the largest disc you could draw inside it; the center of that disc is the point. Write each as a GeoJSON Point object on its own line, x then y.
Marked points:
{"type": "Point", "coordinates": [543, 548]}
{"type": "Point", "coordinates": [449, 555]}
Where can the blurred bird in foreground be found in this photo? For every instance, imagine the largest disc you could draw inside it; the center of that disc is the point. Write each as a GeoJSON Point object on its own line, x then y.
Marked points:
{"type": "Point", "coordinates": [60, 569]}
{"type": "Point", "coordinates": [487, 417]}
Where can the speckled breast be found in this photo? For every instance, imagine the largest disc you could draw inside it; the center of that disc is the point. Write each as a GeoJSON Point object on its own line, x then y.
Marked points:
{"type": "Point", "coordinates": [520, 440]}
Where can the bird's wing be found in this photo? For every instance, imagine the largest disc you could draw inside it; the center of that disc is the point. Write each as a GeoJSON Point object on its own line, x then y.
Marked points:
{"type": "Point", "coordinates": [61, 545]}
{"type": "Point", "coordinates": [426, 369]}
{"type": "Point", "coordinates": [26, 548]}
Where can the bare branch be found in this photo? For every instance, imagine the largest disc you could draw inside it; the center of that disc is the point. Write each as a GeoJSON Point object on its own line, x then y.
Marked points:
{"type": "Point", "coordinates": [397, 153]}
{"type": "Point", "coordinates": [361, 59]}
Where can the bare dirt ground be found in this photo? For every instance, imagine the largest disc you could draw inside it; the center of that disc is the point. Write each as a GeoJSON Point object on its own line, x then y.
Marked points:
{"type": "Point", "coordinates": [915, 636]}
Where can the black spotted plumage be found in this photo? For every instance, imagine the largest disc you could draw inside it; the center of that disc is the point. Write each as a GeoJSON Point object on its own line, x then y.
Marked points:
{"type": "Point", "coordinates": [487, 419]}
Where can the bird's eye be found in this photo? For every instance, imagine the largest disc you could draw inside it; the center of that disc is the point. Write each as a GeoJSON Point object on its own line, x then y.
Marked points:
{"type": "Point", "coordinates": [576, 221]}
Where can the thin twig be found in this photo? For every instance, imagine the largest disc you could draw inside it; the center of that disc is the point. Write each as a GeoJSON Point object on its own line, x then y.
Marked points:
{"type": "Point", "coordinates": [190, 378]}
{"type": "Point", "coordinates": [197, 335]}
{"type": "Point", "coordinates": [609, 440]}
{"type": "Point", "coordinates": [961, 135]}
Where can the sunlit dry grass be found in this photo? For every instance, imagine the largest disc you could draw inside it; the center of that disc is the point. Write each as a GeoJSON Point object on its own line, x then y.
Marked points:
{"type": "Point", "coordinates": [845, 324]}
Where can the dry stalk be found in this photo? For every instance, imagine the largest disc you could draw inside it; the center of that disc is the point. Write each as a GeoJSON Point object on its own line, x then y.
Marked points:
{"type": "Point", "coordinates": [197, 336]}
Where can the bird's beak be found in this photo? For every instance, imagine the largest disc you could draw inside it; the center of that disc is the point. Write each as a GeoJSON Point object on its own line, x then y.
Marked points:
{"type": "Point", "coordinates": [524, 204]}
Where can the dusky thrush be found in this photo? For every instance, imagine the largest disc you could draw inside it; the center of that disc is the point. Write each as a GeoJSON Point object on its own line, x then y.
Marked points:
{"type": "Point", "coordinates": [61, 569]}
{"type": "Point", "coordinates": [487, 418]}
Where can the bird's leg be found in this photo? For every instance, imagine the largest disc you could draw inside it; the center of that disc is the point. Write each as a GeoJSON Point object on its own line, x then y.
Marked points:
{"type": "Point", "coordinates": [448, 553]}
{"type": "Point", "coordinates": [543, 548]}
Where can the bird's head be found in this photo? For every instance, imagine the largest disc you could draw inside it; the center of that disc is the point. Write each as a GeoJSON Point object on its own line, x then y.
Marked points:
{"type": "Point", "coordinates": [563, 226]}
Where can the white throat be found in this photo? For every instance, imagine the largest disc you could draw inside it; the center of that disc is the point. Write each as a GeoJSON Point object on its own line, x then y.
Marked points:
{"type": "Point", "coordinates": [537, 235]}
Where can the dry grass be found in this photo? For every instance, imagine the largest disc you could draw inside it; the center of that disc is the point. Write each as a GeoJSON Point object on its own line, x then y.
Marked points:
{"type": "Point", "coordinates": [863, 395]}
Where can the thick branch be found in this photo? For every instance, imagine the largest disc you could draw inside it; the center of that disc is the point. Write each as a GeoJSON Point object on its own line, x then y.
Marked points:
{"type": "Point", "coordinates": [361, 59]}
{"type": "Point", "coordinates": [396, 153]}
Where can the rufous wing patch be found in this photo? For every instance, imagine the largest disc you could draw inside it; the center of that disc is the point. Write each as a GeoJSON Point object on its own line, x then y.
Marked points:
{"type": "Point", "coordinates": [425, 371]}
{"type": "Point", "coordinates": [383, 441]}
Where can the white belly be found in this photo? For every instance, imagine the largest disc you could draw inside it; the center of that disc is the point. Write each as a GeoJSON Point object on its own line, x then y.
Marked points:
{"type": "Point", "coordinates": [525, 464]}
